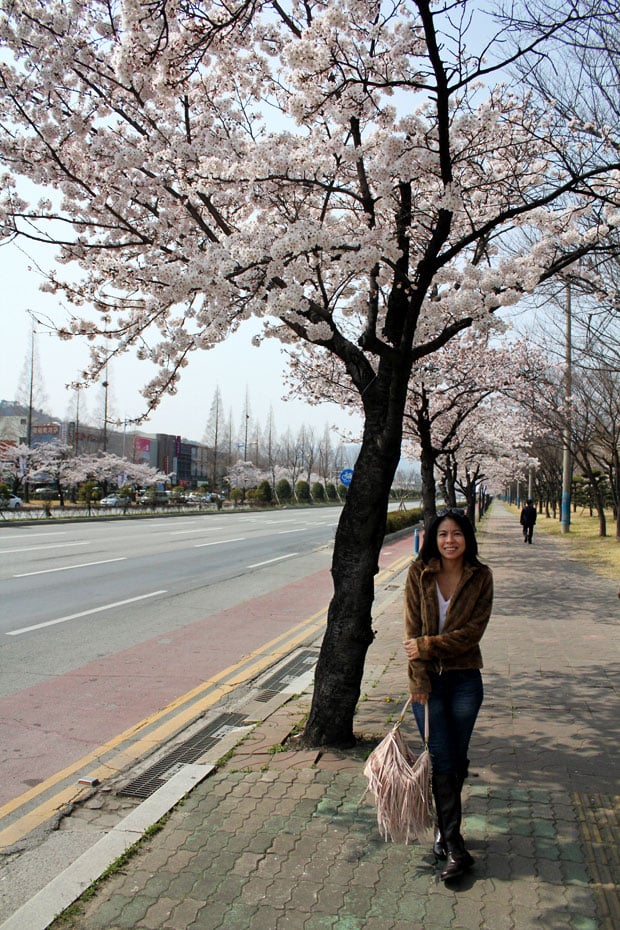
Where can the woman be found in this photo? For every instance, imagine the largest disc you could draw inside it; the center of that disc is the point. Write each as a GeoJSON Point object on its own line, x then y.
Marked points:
{"type": "Point", "coordinates": [448, 598]}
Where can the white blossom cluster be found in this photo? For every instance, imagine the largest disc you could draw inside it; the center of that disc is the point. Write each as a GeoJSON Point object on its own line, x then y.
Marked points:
{"type": "Point", "coordinates": [299, 161]}
{"type": "Point", "coordinates": [57, 461]}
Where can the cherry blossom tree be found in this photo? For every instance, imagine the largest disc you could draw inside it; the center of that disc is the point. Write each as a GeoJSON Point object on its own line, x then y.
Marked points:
{"type": "Point", "coordinates": [15, 459]}
{"type": "Point", "coordinates": [244, 475]}
{"type": "Point", "coordinates": [488, 452]}
{"type": "Point", "coordinates": [463, 398]}
{"type": "Point", "coordinates": [114, 470]}
{"type": "Point", "coordinates": [52, 462]}
{"type": "Point", "coordinates": [347, 171]}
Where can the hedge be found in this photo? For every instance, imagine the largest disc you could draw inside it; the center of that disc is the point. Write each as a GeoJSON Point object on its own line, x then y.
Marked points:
{"type": "Point", "coordinates": [399, 519]}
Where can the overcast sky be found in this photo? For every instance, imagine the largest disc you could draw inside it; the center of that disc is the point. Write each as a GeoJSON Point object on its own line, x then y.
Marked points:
{"type": "Point", "coordinates": [233, 366]}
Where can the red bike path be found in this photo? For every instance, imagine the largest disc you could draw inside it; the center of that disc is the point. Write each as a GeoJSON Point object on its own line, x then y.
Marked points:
{"type": "Point", "coordinates": [45, 728]}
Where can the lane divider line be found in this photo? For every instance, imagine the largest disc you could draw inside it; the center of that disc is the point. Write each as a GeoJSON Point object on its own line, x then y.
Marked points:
{"type": "Point", "coordinates": [184, 710]}
{"type": "Point", "coordinates": [279, 558]}
{"type": "Point", "coordinates": [64, 545]}
{"type": "Point", "coordinates": [66, 568]}
{"type": "Point", "coordinates": [220, 542]}
{"type": "Point", "coordinates": [82, 613]}
{"type": "Point", "coordinates": [29, 536]}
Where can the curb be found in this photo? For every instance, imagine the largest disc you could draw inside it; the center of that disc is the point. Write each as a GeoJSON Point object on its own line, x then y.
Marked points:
{"type": "Point", "coordinates": [62, 891]}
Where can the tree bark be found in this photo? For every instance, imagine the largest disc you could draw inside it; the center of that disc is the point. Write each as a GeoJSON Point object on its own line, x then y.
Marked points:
{"type": "Point", "coordinates": [355, 563]}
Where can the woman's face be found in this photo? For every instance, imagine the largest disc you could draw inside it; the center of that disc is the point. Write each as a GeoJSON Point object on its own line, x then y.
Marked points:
{"type": "Point", "coordinates": [450, 540]}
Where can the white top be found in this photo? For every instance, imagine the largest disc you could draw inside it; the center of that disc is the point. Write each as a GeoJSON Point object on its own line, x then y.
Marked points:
{"type": "Point", "coordinates": [443, 608]}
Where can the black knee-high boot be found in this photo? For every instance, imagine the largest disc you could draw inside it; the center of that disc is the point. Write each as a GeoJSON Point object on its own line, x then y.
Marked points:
{"type": "Point", "coordinates": [447, 793]}
{"type": "Point", "coordinates": [439, 846]}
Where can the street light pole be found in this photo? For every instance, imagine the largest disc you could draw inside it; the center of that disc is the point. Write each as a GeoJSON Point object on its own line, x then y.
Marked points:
{"type": "Point", "coordinates": [566, 455]}
{"type": "Point", "coordinates": [77, 421]}
{"type": "Point", "coordinates": [31, 391]}
{"type": "Point", "coordinates": [105, 413]}
{"type": "Point", "coordinates": [106, 384]}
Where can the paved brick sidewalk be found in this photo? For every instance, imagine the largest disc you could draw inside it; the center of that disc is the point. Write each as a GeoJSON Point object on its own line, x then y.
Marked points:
{"type": "Point", "coordinates": [279, 840]}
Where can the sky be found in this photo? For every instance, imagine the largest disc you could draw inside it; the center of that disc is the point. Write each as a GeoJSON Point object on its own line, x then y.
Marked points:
{"type": "Point", "coordinates": [235, 367]}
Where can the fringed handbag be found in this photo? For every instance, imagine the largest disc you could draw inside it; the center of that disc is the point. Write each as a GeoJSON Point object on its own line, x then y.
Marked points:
{"type": "Point", "coordinates": [401, 785]}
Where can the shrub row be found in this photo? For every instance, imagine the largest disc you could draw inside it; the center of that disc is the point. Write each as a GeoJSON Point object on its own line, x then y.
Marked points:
{"type": "Point", "coordinates": [400, 519]}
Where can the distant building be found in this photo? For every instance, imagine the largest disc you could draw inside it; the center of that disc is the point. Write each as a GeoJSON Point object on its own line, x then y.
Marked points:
{"type": "Point", "coordinates": [14, 425]}
{"type": "Point", "coordinates": [186, 462]}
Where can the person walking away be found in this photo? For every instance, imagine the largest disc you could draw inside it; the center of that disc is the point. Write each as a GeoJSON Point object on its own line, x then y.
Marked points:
{"type": "Point", "coordinates": [448, 600]}
{"type": "Point", "coordinates": [527, 520]}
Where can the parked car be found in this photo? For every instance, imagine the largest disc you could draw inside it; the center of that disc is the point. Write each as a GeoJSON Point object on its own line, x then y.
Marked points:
{"type": "Point", "coordinates": [44, 494]}
{"type": "Point", "coordinates": [113, 500]}
{"type": "Point", "coordinates": [196, 498]}
{"type": "Point", "coordinates": [152, 498]}
{"type": "Point", "coordinates": [12, 502]}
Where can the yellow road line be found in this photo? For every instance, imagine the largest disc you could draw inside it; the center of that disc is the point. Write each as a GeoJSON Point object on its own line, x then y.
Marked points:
{"type": "Point", "coordinates": [197, 701]}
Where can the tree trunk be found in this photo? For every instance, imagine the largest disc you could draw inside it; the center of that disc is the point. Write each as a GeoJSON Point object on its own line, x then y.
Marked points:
{"type": "Point", "coordinates": [600, 509]}
{"type": "Point", "coordinates": [358, 542]}
{"type": "Point", "coordinates": [469, 489]}
{"type": "Point", "coordinates": [428, 458]}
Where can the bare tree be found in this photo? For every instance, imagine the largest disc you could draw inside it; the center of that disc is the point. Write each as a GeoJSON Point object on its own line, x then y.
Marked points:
{"type": "Point", "coordinates": [213, 436]}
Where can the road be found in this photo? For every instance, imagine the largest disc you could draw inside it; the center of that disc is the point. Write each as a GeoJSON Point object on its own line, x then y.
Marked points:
{"type": "Point", "coordinates": [114, 584]}
{"type": "Point", "coordinates": [49, 571]}
{"type": "Point", "coordinates": [105, 626]}
{"type": "Point", "coordinates": [115, 635]}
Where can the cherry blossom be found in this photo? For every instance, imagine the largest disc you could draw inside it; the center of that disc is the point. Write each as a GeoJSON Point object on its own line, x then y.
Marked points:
{"type": "Point", "coordinates": [346, 171]}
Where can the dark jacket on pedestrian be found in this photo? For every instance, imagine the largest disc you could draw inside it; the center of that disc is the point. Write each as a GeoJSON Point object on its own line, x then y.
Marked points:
{"type": "Point", "coordinates": [457, 647]}
{"type": "Point", "coordinates": [528, 515]}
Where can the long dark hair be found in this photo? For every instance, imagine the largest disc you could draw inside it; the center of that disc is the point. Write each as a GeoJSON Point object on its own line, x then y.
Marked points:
{"type": "Point", "coordinates": [430, 549]}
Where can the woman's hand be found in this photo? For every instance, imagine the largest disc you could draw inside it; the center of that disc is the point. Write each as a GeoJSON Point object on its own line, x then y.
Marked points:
{"type": "Point", "coordinates": [411, 648]}
{"type": "Point", "coordinates": [420, 697]}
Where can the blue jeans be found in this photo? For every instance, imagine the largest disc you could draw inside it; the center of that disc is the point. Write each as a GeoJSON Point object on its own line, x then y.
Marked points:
{"type": "Point", "coordinates": [453, 706]}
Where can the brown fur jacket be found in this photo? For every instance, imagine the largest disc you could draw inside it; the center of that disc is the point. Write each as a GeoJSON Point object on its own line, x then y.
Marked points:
{"type": "Point", "coordinates": [466, 620]}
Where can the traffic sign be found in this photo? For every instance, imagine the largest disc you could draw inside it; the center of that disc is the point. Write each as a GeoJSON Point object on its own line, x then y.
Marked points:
{"type": "Point", "coordinates": [345, 476]}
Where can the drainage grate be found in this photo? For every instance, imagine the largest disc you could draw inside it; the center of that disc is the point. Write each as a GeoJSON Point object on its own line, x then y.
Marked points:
{"type": "Point", "coordinates": [193, 748]}
{"type": "Point", "coordinates": [265, 696]}
{"type": "Point", "coordinates": [289, 672]}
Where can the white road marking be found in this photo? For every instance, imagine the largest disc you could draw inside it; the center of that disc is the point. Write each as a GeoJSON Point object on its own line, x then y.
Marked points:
{"type": "Point", "coordinates": [66, 568]}
{"type": "Point", "coordinates": [36, 548]}
{"type": "Point", "coordinates": [83, 613]}
{"type": "Point", "coordinates": [200, 530]}
{"type": "Point", "coordinates": [32, 535]}
{"type": "Point", "coordinates": [220, 542]}
{"type": "Point", "coordinates": [269, 561]}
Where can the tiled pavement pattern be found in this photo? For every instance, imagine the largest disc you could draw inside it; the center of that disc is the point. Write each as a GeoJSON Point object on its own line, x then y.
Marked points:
{"type": "Point", "coordinates": [278, 838]}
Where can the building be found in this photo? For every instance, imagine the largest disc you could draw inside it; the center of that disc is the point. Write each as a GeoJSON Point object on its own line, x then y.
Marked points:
{"type": "Point", "coordinates": [186, 462]}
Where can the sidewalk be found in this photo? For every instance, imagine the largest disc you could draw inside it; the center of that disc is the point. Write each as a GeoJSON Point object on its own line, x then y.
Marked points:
{"type": "Point", "coordinates": [277, 839]}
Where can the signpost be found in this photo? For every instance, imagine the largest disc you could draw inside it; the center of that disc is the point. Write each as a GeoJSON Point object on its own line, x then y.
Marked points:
{"type": "Point", "coordinates": [345, 476]}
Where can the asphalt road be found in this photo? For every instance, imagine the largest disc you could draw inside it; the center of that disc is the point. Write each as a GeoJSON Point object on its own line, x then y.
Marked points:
{"type": "Point", "coordinates": [106, 627]}
{"type": "Point", "coordinates": [75, 591]}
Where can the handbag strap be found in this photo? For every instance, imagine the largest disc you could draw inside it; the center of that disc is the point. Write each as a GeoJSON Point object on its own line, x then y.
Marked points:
{"type": "Point", "coordinates": [403, 712]}
{"type": "Point", "coordinates": [426, 721]}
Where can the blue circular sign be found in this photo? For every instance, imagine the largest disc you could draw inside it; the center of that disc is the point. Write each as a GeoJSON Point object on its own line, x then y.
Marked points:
{"type": "Point", "coordinates": [345, 476]}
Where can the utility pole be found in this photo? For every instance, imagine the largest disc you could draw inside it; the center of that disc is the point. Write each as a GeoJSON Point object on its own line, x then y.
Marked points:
{"type": "Point", "coordinates": [77, 421]}
{"type": "Point", "coordinates": [31, 390]}
{"type": "Point", "coordinates": [106, 384]}
{"type": "Point", "coordinates": [568, 389]}
{"type": "Point", "coordinates": [105, 412]}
